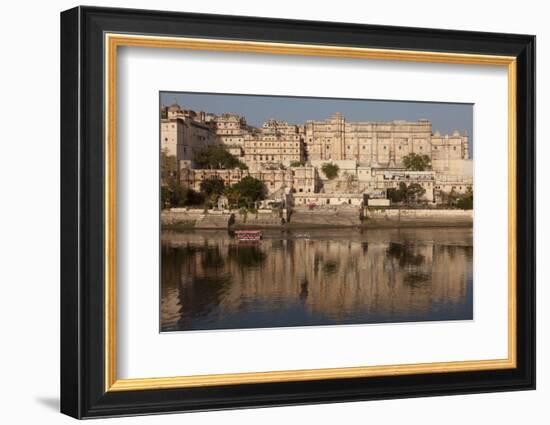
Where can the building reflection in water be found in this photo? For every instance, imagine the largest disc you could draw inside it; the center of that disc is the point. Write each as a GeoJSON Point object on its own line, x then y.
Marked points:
{"type": "Point", "coordinates": [328, 277]}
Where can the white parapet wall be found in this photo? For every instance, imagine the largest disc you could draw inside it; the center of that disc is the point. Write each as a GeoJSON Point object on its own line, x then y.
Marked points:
{"type": "Point", "coordinates": [419, 215]}
{"type": "Point", "coordinates": [180, 215]}
{"type": "Point", "coordinates": [324, 199]}
{"type": "Point", "coordinates": [379, 202]}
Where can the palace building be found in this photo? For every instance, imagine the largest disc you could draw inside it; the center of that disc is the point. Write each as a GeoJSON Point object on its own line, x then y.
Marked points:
{"type": "Point", "coordinates": [369, 154]}
{"type": "Point", "coordinates": [295, 179]}
{"type": "Point", "coordinates": [383, 143]}
{"type": "Point", "coordinates": [277, 142]}
{"type": "Point", "coordinates": [230, 129]}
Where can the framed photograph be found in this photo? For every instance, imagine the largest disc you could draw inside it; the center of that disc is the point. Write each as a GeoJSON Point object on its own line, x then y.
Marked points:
{"type": "Point", "coordinates": [261, 212]}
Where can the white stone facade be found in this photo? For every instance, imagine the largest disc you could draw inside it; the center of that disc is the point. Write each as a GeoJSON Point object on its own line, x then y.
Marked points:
{"type": "Point", "coordinates": [296, 179]}
{"type": "Point", "coordinates": [369, 155]}
{"type": "Point", "coordinates": [381, 143]}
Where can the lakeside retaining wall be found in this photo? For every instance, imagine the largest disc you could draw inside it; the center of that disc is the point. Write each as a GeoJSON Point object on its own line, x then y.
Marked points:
{"type": "Point", "coordinates": [420, 216]}
{"type": "Point", "coordinates": [180, 215]}
{"type": "Point", "coordinates": [217, 219]}
{"type": "Point", "coordinates": [263, 218]}
{"type": "Point", "coordinates": [326, 217]}
{"type": "Point", "coordinates": [197, 218]}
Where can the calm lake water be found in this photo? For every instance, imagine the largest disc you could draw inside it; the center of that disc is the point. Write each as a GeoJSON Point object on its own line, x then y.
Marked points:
{"type": "Point", "coordinates": [315, 277]}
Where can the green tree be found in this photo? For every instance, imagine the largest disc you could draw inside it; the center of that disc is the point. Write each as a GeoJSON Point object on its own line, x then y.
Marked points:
{"type": "Point", "coordinates": [466, 201]}
{"type": "Point", "coordinates": [192, 197]}
{"type": "Point", "coordinates": [168, 167]}
{"type": "Point", "coordinates": [396, 194]}
{"type": "Point", "coordinates": [171, 191]}
{"type": "Point", "coordinates": [403, 193]}
{"type": "Point", "coordinates": [450, 198]}
{"type": "Point", "coordinates": [217, 157]}
{"type": "Point", "coordinates": [246, 192]}
{"type": "Point", "coordinates": [233, 195]}
{"type": "Point", "coordinates": [413, 192]}
{"type": "Point", "coordinates": [296, 164]}
{"type": "Point", "coordinates": [330, 170]}
{"type": "Point", "coordinates": [172, 194]}
{"type": "Point", "coordinates": [212, 186]}
{"type": "Point", "coordinates": [417, 162]}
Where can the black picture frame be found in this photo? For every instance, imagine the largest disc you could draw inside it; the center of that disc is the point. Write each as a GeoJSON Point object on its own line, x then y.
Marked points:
{"type": "Point", "coordinates": [83, 392]}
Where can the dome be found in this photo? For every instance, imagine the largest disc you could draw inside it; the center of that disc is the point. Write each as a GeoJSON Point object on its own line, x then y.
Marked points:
{"type": "Point", "coordinates": [174, 107]}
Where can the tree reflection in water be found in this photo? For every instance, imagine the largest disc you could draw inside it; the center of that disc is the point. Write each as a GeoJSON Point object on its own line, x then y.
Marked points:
{"type": "Point", "coordinates": [246, 255]}
{"type": "Point", "coordinates": [209, 281]}
{"type": "Point", "coordinates": [404, 254]}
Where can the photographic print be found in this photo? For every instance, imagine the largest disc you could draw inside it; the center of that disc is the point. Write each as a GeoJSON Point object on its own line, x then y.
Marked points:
{"type": "Point", "coordinates": [303, 195]}
{"type": "Point", "coordinates": [281, 211]}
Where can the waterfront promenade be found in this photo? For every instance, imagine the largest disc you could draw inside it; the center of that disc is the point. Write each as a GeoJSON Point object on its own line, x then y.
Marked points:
{"type": "Point", "coordinates": [321, 218]}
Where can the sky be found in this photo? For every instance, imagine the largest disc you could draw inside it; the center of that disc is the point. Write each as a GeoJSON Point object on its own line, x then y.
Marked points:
{"type": "Point", "coordinates": [445, 117]}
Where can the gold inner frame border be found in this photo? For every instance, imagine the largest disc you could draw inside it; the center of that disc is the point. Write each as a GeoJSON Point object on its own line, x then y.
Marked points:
{"type": "Point", "coordinates": [112, 41]}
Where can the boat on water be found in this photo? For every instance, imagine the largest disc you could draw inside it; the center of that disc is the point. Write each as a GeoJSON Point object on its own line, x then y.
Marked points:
{"type": "Point", "coordinates": [248, 235]}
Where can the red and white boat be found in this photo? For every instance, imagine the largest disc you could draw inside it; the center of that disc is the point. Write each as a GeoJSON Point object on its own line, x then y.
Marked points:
{"type": "Point", "coordinates": [248, 235]}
